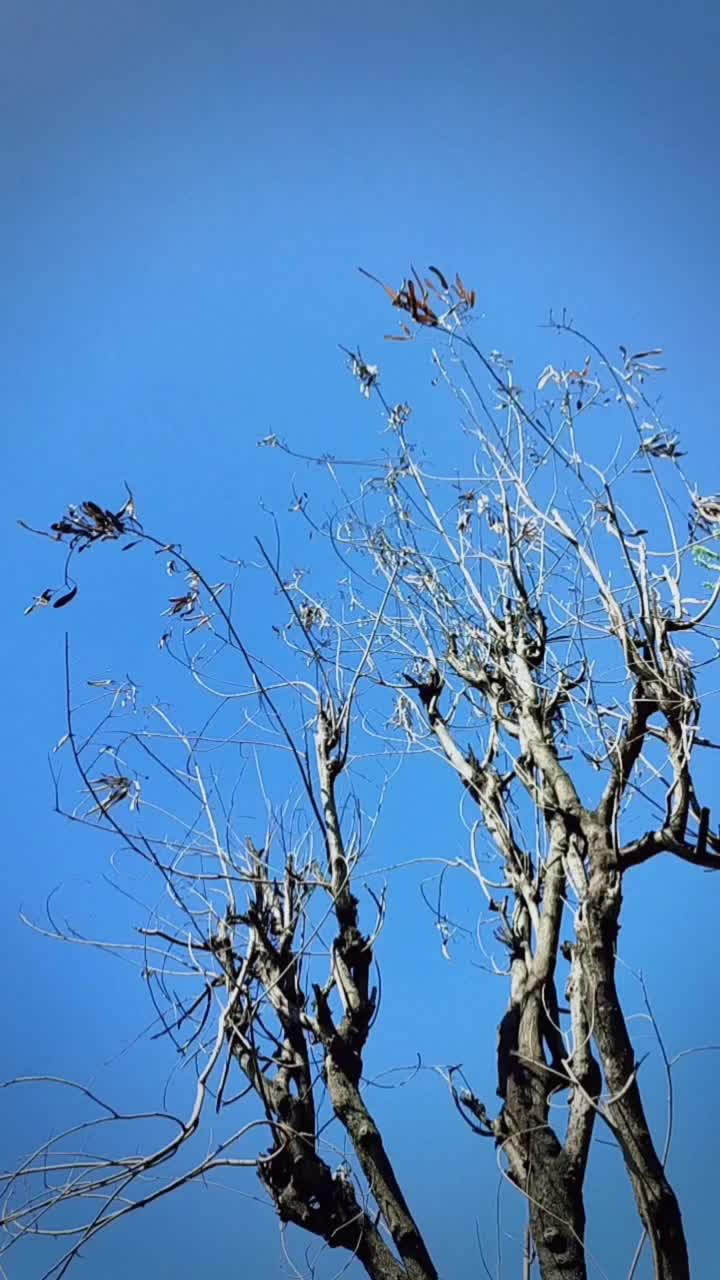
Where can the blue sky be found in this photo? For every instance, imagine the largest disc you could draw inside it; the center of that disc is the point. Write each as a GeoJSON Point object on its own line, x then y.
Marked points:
{"type": "Point", "coordinates": [188, 190]}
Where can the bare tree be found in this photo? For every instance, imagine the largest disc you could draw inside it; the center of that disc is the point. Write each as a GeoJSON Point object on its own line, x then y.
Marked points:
{"type": "Point", "coordinates": [505, 617]}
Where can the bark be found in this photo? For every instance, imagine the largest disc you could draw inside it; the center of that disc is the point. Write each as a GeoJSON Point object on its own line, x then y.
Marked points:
{"type": "Point", "coordinates": [555, 1199]}
{"type": "Point", "coordinates": [656, 1200]}
{"type": "Point", "coordinates": [541, 1167]}
{"type": "Point", "coordinates": [307, 1193]}
{"type": "Point", "coordinates": [557, 1213]}
{"type": "Point", "coordinates": [365, 1136]}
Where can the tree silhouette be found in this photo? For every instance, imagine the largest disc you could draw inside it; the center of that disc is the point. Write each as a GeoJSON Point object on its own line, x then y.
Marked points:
{"type": "Point", "coordinates": [527, 611]}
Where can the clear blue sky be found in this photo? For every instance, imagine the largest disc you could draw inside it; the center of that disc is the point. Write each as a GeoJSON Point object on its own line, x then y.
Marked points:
{"type": "Point", "coordinates": [187, 189]}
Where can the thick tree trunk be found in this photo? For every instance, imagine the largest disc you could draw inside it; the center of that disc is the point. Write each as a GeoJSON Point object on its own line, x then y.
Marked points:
{"type": "Point", "coordinates": [657, 1204]}
{"type": "Point", "coordinates": [542, 1170]}
{"type": "Point", "coordinates": [557, 1216]}
{"type": "Point", "coordinates": [550, 1175]}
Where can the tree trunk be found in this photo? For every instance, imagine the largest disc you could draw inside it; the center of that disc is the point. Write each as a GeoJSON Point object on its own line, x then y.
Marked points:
{"type": "Point", "coordinates": [657, 1204]}
{"type": "Point", "coordinates": [540, 1166]}
{"type": "Point", "coordinates": [541, 1169]}
{"type": "Point", "coordinates": [557, 1215]}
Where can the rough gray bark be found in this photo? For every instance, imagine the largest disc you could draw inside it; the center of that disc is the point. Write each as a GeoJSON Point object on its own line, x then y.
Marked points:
{"type": "Point", "coordinates": [541, 1166]}
{"type": "Point", "coordinates": [657, 1203]}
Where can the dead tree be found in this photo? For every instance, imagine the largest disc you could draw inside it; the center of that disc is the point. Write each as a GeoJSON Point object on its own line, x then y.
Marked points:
{"type": "Point", "coordinates": [503, 613]}
{"type": "Point", "coordinates": [269, 939]}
